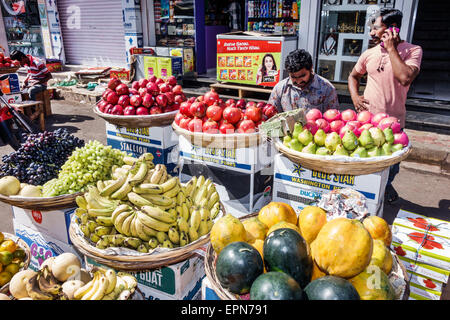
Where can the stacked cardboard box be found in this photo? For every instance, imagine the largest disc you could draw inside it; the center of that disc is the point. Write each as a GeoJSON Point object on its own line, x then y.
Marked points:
{"type": "Point", "coordinates": [423, 246]}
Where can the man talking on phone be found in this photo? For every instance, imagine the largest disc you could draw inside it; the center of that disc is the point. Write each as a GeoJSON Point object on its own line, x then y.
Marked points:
{"type": "Point", "coordinates": [391, 66]}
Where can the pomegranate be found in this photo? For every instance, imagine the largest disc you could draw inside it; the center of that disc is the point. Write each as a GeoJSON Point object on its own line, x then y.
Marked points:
{"type": "Point", "coordinates": [135, 85]}
{"type": "Point", "coordinates": [122, 89]}
{"type": "Point", "coordinates": [164, 87]}
{"type": "Point", "coordinates": [161, 100]}
{"type": "Point", "coordinates": [173, 107]}
{"type": "Point", "coordinates": [366, 126]}
{"type": "Point", "coordinates": [178, 118]}
{"type": "Point", "coordinates": [401, 137]}
{"type": "Point", "coordinates": [269, 111]}
{"type": "Point", "coordinates": [378, 117]}
{"type": "Point", "coordinates": [348, 115]}
{"type": "Point", "coordinates": [129, 111]}
{"type": "Point", "coordinates": [198, 109]}
{"type": "Point", "coordinates": [117, 110]}
{"type": "Point", "coordinates": [177, 89]}
{"type": "Point", "coordinates": [241, 103]}
{"type": "Point", "coordinates": [229, 102]}
{"type": "Point", "coordinates": [364, 117]}
{"type": "Point", "coordinates": [185, 109]}
{"type": "Point", "coordinates": [124, 101]}
{"type": "Point", "coordinates": [311, 126]}
{"type": "Point", "coordinates": [170, 97]}
{"type": "Point", "coordinates": [195, 125]}
{"type": "Point", "coordinates": [136, 101]}
{"type": "Point", "coordinates": [210, 97]}
{"type": "Point", "coordinates": [143, 92]}
{"type": "Point", "coordinates": [246, 126]}
{"type": "Point", "coordinates": [159, 81]}
{"type": "Point", "coordinates": [261, 104]}
{"type": "Point", "coordinates": [113, 83]}
{"type": "Point", "coordinates": [179, 99]}
{"type": "Point", "coordinates": [155, 110]}
{"type": "Point", "coordinates": [184, 123]}
{"type": "Point", "coordinates": [232, 114]}
{"type": "Point", "coordinates": [226, 128]}
{"type": "Point", "coordinates": [313, 114]}
{"type": "Point", "coordinates": [147, 100]}
{"type": "Point", "coordinates": [253, 112]}
{"type": "Point", "coordinates": [172, 80]}
{"type": "Point", "coordinates": [348, 127]}
{"type": "Point", "coordinates": [112, 97]}
{"type": "Point", "coordinates": [214, 112]}
{"type": "Point", "coordinates": [331, 115]}
{"type": "Point", "coordinates": [336, 125]}
{"type": "Point", "coordinates": [210, 126]}
{"type": "Point", "coordinates": [323, 124]}
{"type": "Point", "coordinates": [391, 122]}
{"type": "Point", "coordinates": [133, 92]}
{"type": "Point", "coordinates": [152, 88]}
{"type": "Point", "coordinates": [152, 78]}
{"type": "Point", "coordinates": [142, 111]}
{"type": "Point", "coordinates": [355, 123]}
{"type": "Point", "coordinates": [192, 99]}
{"type": "Point", "coordinates": [143, 83]}
{"type": "Point", "coordinates": [250, 104]}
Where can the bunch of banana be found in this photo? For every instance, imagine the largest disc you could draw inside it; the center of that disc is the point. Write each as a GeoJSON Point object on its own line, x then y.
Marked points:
{"type": "Point", "coordinates": [203, 194]}
{"type": "Point", "coordinates": [44, 286]}
{"type": "Point", "coordinates": [107, 285]}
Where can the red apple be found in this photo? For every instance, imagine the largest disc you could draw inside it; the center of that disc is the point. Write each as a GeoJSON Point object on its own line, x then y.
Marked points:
{"type": "Point", "coordinates": [178, 99]}
{"type": "Point", "coordinates": [113, 83]}
{"type": "Point", "coordinates": [331, 115]}
{"type": "Point", "coordinates": [135, 85]}
{"type": "Point", "coordinates": [112, 97]}
{"type": "Point", "coordinates": [143, 92]}
{"type": "Point", "coordinates": [390, 122]}
{"type": "Point", "coordinates": [336, 125]}
{"type": "Point", "coordinates": [172, 80]}
{"type": "Point", "coordinates": [261, 104]}
{"type": "Point", "coordinates": [105, 93]}
{"type": "Point", "coordinates": [109, 108]}
{"type": "Point", "coordinates": [155, 110]}
{"type": "Point", "coordinates": [152, 78]}
{"type": "Point", "coordinates": [159, 81]}
{"type": "Point", "coordinates": [348, 115]}
{"type": "Point", "coordinates": [313, 114]}
{"type": "Point", "coordinates": [129, 111]}
{"type": "Point", "coordinates": [323, 124]}
{"type": "Point", "coordinates": [269, 111]}
{"type": "Point", "coordinates": [364, 117]}
{"type": "Point", "coordinates": [133, 92]}
{"type": "Point", "coordinates": [164, 87]}
{"type": "Point", "coordinates": [170, 97]}
{"type": "Point", "coordinates": [101, 105]}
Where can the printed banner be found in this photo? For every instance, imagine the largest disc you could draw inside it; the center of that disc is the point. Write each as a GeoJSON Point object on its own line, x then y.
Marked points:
{"type": "Point", "coordinates": [256, 62]}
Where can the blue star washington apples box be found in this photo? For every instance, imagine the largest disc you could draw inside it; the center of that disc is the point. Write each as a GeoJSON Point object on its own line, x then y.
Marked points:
{"type": "Point", "coordinates": [180, 281]}
{"type": "Point", "coordinates": [243, 176]}
{"type": "Point", "coordinates": [301, 187]}
{"type": "Point", "coordinates": [159, 141]}
{"type": "Point", "coordinates": [208, 292]}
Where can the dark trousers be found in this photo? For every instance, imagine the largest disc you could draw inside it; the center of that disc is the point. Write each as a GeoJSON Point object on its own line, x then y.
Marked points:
{"type": "Point", "coordinates": [393, 171]}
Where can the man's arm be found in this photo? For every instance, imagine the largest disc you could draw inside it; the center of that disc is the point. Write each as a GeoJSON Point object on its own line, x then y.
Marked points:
{"type": "Point", "coordinates": [354, 80]}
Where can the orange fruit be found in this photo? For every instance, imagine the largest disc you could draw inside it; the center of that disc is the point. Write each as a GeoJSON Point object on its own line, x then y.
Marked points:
{"type": "Point", "coordinates": [12, 268]}
{"type": "Point", "coordinates": [8, 245]}
{"type": "Point", "coordinates": [5, 277]}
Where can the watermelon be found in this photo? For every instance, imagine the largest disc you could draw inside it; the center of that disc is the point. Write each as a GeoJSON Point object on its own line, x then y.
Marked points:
{"type": "Point", "coordinates": [331, 288]}
{"type": "Point", "coordinates": [275, 285]}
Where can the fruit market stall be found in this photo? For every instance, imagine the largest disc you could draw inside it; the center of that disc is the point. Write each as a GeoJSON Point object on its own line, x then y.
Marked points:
{"type": "Point", "coordinates": [221, 140]}
{"type": "Point", "coordinates": [319, 254]}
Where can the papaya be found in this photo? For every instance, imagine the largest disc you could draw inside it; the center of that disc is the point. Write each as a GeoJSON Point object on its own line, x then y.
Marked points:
{"type": "Point", "coordinates": [373, 284]}
{"type": "Point", "coordinates": [310, 220]}
{"type": "Point", "coordinates": [275, 212]}
{"type": "Point", "coordinates": [378, 229]}
{"type": "Point", "coordinates": [342, 248]}
{"type": "Point", "coordinates": [316, 272]}
{"type": "Point", "coordinates": [225, 230]}
{"type": "Point", "coordinates": [283, 224]}
{"type": "Point", "coordinates": [255, 229]}
{"type": "Point", "coordinates": [381, 256]}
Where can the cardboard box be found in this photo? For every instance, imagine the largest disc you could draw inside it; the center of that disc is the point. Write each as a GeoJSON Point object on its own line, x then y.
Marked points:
{"type": "Point", "coordinates": [302, 187]}
{"type": "Point", "coordinates": [180, 281]}
{"type": "Point", "coordinates": [422, 293]}
{"type": "Point", "coordinates": [433, 226]}
{"type": "Point", "coordinates": [159, 141]}
{"type": "Point", "coordinates": [207, 291]}
{"type": "Point", "coordinates": [42, 246]}
{"type": "Point", "coordinates": [425, 287]}
{"type": "Point", "coordinates": [420, 246]}
{"type": "Point", "coordinates": [11, 85]}
{"type": "Point", "coordinates": [145, 50]}
{"type": "Point", "coordinates": [243, 176]}
{"type": "Point", "coordinates": [12, 98]}
{"type": "Point", "coordinates": [123, 74]}
{"type": "Point", "coordinates": [53, 223]}
{"type": "Point", "coordinates": [424, 269]}
{"type": "Point", "coordinates": [170, 66]}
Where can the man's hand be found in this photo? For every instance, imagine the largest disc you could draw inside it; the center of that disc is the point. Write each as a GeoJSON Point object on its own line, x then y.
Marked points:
{"type": "Point", "coordinates": [390, 39]}
{"type": "Point", "coordinates": [360, 103]}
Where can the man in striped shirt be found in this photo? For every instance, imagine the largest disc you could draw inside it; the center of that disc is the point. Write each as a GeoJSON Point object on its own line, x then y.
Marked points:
{"type": "Point", "coordinates": [38, 74]}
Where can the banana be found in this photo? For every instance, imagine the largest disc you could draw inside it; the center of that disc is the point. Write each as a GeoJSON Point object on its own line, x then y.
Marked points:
{"type": "Point", "coordinates": [179, 210]}
{"type": "Point", "coordinates": [182, 224]}
{"type": "Point", "coordinates": [172, 192]}
{"type": "Point", "coordinates": [100, 185]}
{"type": "Point", "coordinates": [119, 287]}
{"type": "Point", "coordinates": [148, 188]}
{"type": "Point", "coordinates": [209, 223]}
{"type": "Point", "coordinates": [128, 160]}
{"type": "Point", "coordinates": [200, 181]}
{"type": "Point", "coordinates": [158, 200]}
{"type": "Point", "coordinates": [139, 176]}
{"type": "Point", "coordinates": [210, 190]}
{"type": "Point", "coordinates": [113, 186]}
{"type": "Point", "coordinates": [142, 248]}
{"type": "Point", "coordinates": [138, 200]}
{"type": "Point", "coordinates": [215, 210]}
{"type": "Point", "coordinates": [81, 202]}
{"type": "Point", "coordinates": [121, 208]}
{"type": "Point", "coordinates": [205, 214]}
{"type": "Point", "coordinates": [47, 282]}
{"type": "Point", "coordinates": [133, 229]}
{"type": "Point", "coordinates": [80, 292]}
{"type": "Point", "coordinates": [91, 224]}
{"type": "Point", "coordinates": [118, 223]}
{"type": "Point", "coordinates": [132, 243]}
{"type": "Point", "coordinates": [85, 218]}
{"type": "Point", "coordinates": [141, 234]}
{"type": "Point", "coordinates": [152, 222]}
{"type": "Point", "coordinates": [167, 244]}
{"type": "Point", "coordinates": [94, 288]}
{"type": "Point", "coordinates": [102, 243]}
{"type": "Point", "coordinates": [111, 275]}
{"type": "Point", "coordinates": [32, 287]}
{"type": "Point", "coordinates": [185, 213]}
{"type": "Point", "coordinates": [164, 177]}
{"type": "Point", "coordinates": [80, 211]}
{"type": "Point", "coordinates": [159, 214]}
{"type": "Point", "coordinates": [107, 240]}
{"type": "Point", "coordinates": [181, 198]}
{"type": "Point", "coordinates": [156, 176]}
{"type": "Point", "coordinates": [122, 192]}
{"type": "Point", "coordinates": [153, 243]}
{"type": "Point", "coordinates": [193, 235]}
{"type": "Point", "coordinates": [100, 212]}
{"type": "Point", "coordinates": [161, 237]}
{"type": "Point", "coordinates": [184, 239]}
{"type": "Point", "coordinates": [146, 156]}
{"type": "Point", "coordinates": [148, 231]}
{"type": "Point", "coordinates": [130, 281]}
{"type": "Point", "coordinates": [212, 200]}
{"type": "Point", "coordinates": [201, 194]}
{"type": "Point", "coordinates": [101, 288]}
{"type": "Point", "coordinates": [102, 230]}
{"type": "Point", "coordinates": [85, 229]}
{"type": "Point", "coordinates": [169, 184]}
{"type": "Point", "coordinates": [203, 228]}
{"type": "Point", "coordinates": [174, 236]}
{"type": "Point", "coordinates": [96, 201]}
{"type": "Point", "coordinates": [194, 220]}
{"type": "Point", "coordinates": [104, 221]}
{"type": "Point", "coordinates": [203, 202]}
{"type": "Point", "coordinates": [189, 186]}
{"type": "Point", "coordinates": [117, 240]}
{"type": "Point", "coordinates": [126, 226]}
{"type": "Point", "coordinates": [94, 238]}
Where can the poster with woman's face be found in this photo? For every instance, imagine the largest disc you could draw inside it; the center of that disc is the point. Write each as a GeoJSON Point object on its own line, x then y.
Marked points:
{"type": "Point", "coordinates": [255, 62]}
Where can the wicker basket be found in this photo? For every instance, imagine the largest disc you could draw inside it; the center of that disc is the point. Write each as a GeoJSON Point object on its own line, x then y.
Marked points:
{"type": "Point", "coordinates": [138, 261]}
{"type": "Point", "coordinates": [22, 244]}
{"type": "Point", "coordinates": [228, 141]}
{"type": "Point", "coordinates": [329, 165]}
{"type": "Point", "coordinates": [145, 121]}
{"type": "Point", "coordinates": [42, 203]}
{"type": "Point", "coordinates": [224, 294]}
{"type": "Point", "coordinates": [9, 70]}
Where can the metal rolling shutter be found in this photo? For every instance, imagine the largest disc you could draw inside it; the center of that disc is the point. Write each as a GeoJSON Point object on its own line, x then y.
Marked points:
{"type": "Point", "coordinates": [99, 40]}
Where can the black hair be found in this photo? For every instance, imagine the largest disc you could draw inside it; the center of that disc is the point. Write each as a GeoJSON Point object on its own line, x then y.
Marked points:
{"type": "Point", "coordinates": [17, 55]}
{"type": "Point", "coordinates": [274, 67]}
{"type": "Point", "coordinates": [390, 16]}
{"type": "Point", "coordinates": [297, 60]}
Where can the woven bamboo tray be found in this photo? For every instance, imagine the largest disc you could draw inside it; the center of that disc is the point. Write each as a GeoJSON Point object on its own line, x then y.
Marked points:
{"type": "Point", "coordinates": [9, 70]}
{"type": "Point", "coordinates": [42, 203]}
{"type": "Point", "coordinates": [145, 121]}
{"type": "Point", "coordinates": [218, 140]}
{"type": "Point", "coordinates": [224, 294]}
{"type": "Point", "coordinates": [329, 165]}
{"type": "Point", "coordinates": [22, 244]}
{"type": "Point", "coordinates": [138, 261]}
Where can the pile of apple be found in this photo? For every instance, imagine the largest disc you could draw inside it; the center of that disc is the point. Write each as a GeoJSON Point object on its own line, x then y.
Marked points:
{"type": "Point", "coordinates": [7, 62]}
{"type": "Point", "coordinates": [347, 133]}
{"type": "Point", "coordinates": [210, 114]}
{"type": "Point", "coordinates": [145, 97]}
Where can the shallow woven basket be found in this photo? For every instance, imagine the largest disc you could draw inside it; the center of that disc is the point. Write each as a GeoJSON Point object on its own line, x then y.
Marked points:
{"type": "Point", "coordinates": [329, 165]}
{"type": "Point", "coordinates": [140, 262]}
{"type": "Point", "coordinates": [224, 294]}
{"type": "Point", "coordinates": [22, 244]}
{"type": "Point", "coordinates": [42, 203]}
{"type": "Point", "coordinates": [218, 140]}
{"type": "Point", "coordinates": [9, 70]}
{"type": "Point", "coordinates": [141, 121]}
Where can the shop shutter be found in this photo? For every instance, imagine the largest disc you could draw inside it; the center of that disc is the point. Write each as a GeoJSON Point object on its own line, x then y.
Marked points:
{"type": "Point", "coordinates": [96, 36]}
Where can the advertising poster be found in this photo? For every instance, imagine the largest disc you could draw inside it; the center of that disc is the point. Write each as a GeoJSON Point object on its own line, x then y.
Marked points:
{"type": "Point", "coordinates": [151, 67]}
{"type": "Point", "coordinates": [255, 62]}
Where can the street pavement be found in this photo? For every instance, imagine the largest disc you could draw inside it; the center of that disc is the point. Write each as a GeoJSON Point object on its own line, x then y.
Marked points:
{"type": "Point", "coordinates": [421, 191]}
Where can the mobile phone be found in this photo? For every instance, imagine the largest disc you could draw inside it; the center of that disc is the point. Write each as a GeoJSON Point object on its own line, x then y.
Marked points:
{"type": "Point", "coordinates": [397, 30]}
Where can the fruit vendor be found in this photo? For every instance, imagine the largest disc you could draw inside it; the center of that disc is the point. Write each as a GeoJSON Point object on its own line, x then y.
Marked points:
{"type": "Point", "coordinates": [38, 74]}
{"type": "Point", "coordinates": [303, 88]}
{"type": "Point", "coordinates": [391, 66]}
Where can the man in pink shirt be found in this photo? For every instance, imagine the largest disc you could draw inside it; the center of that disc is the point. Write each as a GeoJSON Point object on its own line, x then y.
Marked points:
{"type": "Point", "coordinates": [391, 66]}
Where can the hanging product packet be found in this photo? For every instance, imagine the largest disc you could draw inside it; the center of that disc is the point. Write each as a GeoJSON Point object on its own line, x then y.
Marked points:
{"type": "Point", "coordinates": [344, 203]}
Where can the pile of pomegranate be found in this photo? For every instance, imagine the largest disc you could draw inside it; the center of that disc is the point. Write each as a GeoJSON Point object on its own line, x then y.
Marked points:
{"type": "Point", "coordinates": [210, 114]}
{"type": "Point", "coordinates": [7, 62]}
{"type": "Point", "coordinates": [145, 97]}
